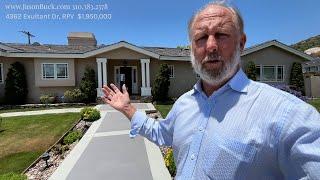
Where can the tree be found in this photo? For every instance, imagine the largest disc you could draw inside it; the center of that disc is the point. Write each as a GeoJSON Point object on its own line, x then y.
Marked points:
{"type": "Point", "coordinates": [296, 77]}
{"type": "Point", "coordinates": [161, 84]}
{"type": "Point", "coordinates": [251, 70]}
{"type": "Point", "coordinates": [184, 47]}
{"type": "Point", "coordinates": [16, 89]}
{"type": "Point", "coordinates": [88, 85]}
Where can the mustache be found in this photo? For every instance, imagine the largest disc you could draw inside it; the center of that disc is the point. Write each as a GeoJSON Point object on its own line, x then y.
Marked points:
{"type": "Point", "coordinates": [212, 57]}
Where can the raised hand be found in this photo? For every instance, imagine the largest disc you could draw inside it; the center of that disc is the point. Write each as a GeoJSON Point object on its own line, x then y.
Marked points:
{"type": "Point", "coordinates": [118, 100]}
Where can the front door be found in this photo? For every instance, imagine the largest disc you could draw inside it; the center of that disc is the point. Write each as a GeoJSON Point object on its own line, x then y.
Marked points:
{"type": "Point", "coordinates": [126, 78]}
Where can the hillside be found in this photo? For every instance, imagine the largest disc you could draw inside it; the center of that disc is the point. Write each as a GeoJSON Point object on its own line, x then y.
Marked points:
{"type": "Point", "coordinates": [307, 44]}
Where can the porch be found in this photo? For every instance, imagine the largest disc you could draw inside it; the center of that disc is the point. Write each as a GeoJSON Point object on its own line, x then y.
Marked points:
{"type": "Point", "coordinates": [135, 73]}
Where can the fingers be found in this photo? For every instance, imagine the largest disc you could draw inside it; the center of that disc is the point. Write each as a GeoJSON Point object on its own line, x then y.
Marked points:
{"type": "Point", "coordinates": [107, 91]}
{"type": "Point", "coordinates": [106, 100]}
{"type": "Point", "coordinates": [124, 89]}
{"type": "Point", "coordinates": [115, 89]}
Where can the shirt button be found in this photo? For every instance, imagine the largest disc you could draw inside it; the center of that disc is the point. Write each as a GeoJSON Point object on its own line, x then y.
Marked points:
{"type": "Point", "coordinates": [193, 157]}
{"type": "Point", "coordinates": [200, 129]}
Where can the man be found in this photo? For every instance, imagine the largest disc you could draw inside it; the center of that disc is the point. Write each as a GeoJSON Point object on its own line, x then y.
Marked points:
{"type": "Point", "coordinates": [227, 126]}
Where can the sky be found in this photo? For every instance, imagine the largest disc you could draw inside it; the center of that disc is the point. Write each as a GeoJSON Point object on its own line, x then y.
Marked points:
{"type": "Point", "coordinates": [152, 23]}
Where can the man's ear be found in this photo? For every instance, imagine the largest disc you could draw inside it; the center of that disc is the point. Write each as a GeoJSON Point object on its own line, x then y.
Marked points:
{"type": "Point", "coordinates": [243, 40]}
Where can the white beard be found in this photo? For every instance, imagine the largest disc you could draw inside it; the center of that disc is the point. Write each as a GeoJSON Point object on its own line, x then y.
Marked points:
{"type": "Point", "coordinates": [217, 77]}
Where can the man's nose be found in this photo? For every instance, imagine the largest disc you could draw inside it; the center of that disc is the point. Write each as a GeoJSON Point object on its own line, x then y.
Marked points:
{"type": "Point", "coordinates": [212, 45]}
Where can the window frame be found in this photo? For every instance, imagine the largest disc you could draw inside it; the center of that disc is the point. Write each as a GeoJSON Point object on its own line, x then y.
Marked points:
{"type": "Point", "coordinates": [171, 68]}
{"type": "Point", "coordinates": [55, 71]}
{"type": "Point", "coordinates": [275, 68]}
{"type": "Point", "coordinates": [1, 74]}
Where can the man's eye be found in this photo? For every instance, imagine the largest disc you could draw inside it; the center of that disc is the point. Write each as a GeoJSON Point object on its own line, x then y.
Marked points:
{"type": "Point", "coordinates": [221, 35]}
{"type": "Point", "coordinates": [202, 38]}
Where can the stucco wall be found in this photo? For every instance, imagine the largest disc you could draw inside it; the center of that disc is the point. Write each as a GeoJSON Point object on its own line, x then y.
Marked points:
{"type": "Point", "coordinates": [123, 53]}
{"type": "Point", "coordinates": [80, 66]}
{"type": "Point", "coordinates": [184, 78]}
{"type": "Point", "coordinates": [312, 84]}
{"type": "Point", "coordinates": [40, 82]}
{"type": "Point", "coordinates": [273, 56]}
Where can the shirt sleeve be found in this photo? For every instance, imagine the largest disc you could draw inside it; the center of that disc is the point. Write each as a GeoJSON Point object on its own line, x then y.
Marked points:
{"type": "Point", "coordinates": [299, 150]}
{"type": "Point", "coordinates": [159, 131]}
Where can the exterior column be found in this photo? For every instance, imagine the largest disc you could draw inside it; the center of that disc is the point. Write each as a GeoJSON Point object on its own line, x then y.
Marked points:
{"type": "Point", "coordinates": [143, 72]}
{"type": "Point", "coordinates": [145, 77]}
{"type": "Point", "coordinates": [102, 74]}
{"type": "Point", "coordinates": [148, 73]}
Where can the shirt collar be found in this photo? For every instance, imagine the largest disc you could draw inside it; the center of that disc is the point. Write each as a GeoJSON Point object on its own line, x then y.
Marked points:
{"type": "Point", "coordinates": [239, 82]}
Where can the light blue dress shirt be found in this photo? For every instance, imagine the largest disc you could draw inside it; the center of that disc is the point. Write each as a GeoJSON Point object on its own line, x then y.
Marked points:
{"type": "Point", "coordinates": [244, 130]}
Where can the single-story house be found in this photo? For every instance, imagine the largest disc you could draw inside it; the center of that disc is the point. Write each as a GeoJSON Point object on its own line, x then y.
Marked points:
{"type": "Point", "coordinates": [57, 68]}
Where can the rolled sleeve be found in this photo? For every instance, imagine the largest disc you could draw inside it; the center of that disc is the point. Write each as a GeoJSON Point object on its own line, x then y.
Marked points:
{"type": "Point", "coordinates": [137, 121]}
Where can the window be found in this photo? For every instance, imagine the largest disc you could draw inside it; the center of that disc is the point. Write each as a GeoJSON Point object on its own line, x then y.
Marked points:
{"type": "Point", "coordinates": [62, 71]}
{"type": "Point", "coordinates": [258, 70]}
{"type": "Point", "coordinates": [55, 71]}
{"type": "Point", "coordinates": [270, 73]}
{"type": "Point", "coordinates": [171, 67]}
{"type": "Point", "coordinates": [1, 73]}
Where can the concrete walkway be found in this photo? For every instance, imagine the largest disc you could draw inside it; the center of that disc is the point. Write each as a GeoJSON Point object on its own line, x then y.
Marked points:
{"type": "Point", "coordinates": [49, 111]}
{"type": "Point", "coordinates": [107, 152]}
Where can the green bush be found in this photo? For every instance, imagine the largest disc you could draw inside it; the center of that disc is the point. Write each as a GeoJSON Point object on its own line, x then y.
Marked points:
{"type": "Point", "coordinates": [88, 86]}
{"type": "Point", "coordinates": [89, 114]}
{"type": "Point", "coordinates": [16, 90]}
{"type": "Point", "coordinates": [74, 95]}
{"type": "Point", "coordinates": [13, 176]}
{"type": "Point", "coordinates": [296, 77]}
{"type": "Point", "coordinates": [60, 149]}
{"type": "Point", "coordinates": [161, 84]}
{"type": "Point", "coordinates": [169, 162]}
{"type": "Point", "coordinates": [47, 99]}
{"type": "Point", "coordinates": [72, 137]}
{"type": "Point", "coordinates": [251, 70]}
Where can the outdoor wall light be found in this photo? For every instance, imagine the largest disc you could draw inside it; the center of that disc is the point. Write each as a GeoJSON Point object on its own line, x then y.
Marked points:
{"type": "Point", "coordinates": [45, 156]}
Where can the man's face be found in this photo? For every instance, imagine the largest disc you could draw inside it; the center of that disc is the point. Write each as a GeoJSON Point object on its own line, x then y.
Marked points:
{"type": "Point", "coordinates": [216, 44]}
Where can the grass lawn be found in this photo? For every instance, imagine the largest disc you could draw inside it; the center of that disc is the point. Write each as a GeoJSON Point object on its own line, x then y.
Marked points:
{"type": "Point", "coordinates": [164, 109]}
{"type": "Point", "coordinates": [24, 138]}
{"type": "Point", "coordinates": [39, 108]}
{"type": "Point", "coordinates": [315, 103]}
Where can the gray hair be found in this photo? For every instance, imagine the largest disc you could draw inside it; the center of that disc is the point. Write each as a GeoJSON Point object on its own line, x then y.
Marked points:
{"type": "Point", "coordinates": [223, 3]}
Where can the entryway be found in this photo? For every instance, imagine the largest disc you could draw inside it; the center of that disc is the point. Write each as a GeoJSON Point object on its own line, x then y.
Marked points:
{"type": "Point", "coordinates": [126, 75]}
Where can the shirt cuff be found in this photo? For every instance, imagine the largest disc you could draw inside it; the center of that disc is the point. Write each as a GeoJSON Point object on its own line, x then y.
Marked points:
{"type": "Point", "coordinates": [137, 121]}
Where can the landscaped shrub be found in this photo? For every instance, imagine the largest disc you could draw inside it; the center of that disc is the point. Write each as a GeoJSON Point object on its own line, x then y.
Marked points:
{"type": "Point", "coordinates": [161, 84]}
{"type": "Point", "coordinates": [296, 77]}
{"type": "Point", "coordinates": [47, 99]}
{"type": "Point", "coordinates": [88, 86]}
{"type": "Point", "coordinates": [169, 162]}
{"type": "Point", "coordinates": [74, 95]}
{"type": "Point", "coordinates": [16, 90]}
{"type": "Point", "coordinates": [251, 70]}
{"type": "Point", "coordinates": [89, 114]}
{"type": "Point", "coordinates": [72, 137]}
{"type": "Point", "coordinates": [60, 149]}
{"type": "Point", "coordinates": [286, 88]}
{"type": "Point", "coordinates": [13, 176]}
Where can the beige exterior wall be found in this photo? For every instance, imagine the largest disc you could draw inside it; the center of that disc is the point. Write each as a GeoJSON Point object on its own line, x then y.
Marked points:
{"type": "Point", "coordinates": [80, 67]}
{"type": "Point", "coordinates": [123, 54]}
{"type": "Point", "coordinates": [40, 82]}
{"type": "Point", "coordinates": [273, 56]}
{"type": "Point", "coordinates": [312, 85]}
{"type": "Point", "coordinates": [183, 80]}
